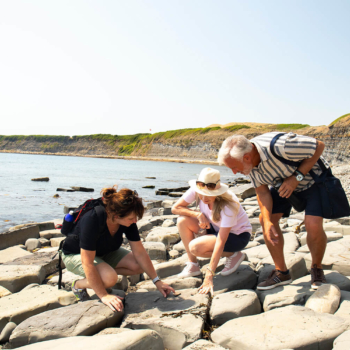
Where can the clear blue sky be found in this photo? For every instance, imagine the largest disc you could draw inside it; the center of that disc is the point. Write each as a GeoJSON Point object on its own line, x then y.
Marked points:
{"type": "Point", "coordinates": [124, 67]}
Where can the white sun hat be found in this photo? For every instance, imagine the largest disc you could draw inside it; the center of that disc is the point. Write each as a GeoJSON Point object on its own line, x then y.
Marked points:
{"type": "Point", "coordinates": [212, 176]}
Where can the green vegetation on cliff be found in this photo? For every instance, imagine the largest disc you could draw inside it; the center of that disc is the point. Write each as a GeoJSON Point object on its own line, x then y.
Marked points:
{"type": "Point", "coordinates": [142, 144]}
{"type": "Point", "coordinates": [236, 127]}
{"type": "Point", "coordinates": [290, 126]}
{"type": "Point", "coordinates": [37, 138]}
{"type": "Point", "coordinates": [337, 120]}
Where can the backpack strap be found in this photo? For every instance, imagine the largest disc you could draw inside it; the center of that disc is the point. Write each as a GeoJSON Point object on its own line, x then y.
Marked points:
{"type": "Point", "coordinates": [290, 162]}
{"type": "Point", "coordinates": [59, 265]}
{"type": "Point", "coordinates": [281, 159]}
{"type": "Point", "coordinates": [101, 215]}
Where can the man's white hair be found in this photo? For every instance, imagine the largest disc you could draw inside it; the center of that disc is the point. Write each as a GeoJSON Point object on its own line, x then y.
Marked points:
{"type": "Point", "coordinates": [235, 147]}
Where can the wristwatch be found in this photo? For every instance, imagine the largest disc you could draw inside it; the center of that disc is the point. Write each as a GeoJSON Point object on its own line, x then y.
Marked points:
{"type": "Point", "coordinates": [299, 175]}
{"type": "Point", "coordinates": [155, 280]}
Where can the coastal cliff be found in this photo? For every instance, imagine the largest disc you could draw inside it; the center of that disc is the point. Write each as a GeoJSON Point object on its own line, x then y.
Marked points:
{"type": "Point", "coordinates": [201, 144]}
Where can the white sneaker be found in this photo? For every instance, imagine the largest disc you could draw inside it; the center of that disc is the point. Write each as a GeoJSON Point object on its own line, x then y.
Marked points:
{"type": "Point", "coordinates": [232, 263]}
{"type": "Point", "coordinates": [191, 269]}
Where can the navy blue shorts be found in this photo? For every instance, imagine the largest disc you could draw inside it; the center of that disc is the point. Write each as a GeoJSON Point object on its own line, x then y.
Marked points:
{"type": "Point", "coordinates": [234, 243]}
{"type": "Point", "coordinates": [312, 197]}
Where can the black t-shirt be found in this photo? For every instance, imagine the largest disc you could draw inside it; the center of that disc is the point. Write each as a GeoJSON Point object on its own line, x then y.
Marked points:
{"type": "Point", "coordinates": [93, 237]}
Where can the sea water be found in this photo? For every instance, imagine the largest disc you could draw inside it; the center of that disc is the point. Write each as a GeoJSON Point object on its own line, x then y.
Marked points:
{"type": "Point", "coordinates": [23, 200]}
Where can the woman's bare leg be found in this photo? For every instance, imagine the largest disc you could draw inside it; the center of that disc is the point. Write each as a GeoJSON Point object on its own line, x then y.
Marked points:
{"type": "Point", "coordinates": [187, 226]}
{"type": "Point", "coordinates": [204, 246]}
{"type": "Point", "coordinates": [108, 276]}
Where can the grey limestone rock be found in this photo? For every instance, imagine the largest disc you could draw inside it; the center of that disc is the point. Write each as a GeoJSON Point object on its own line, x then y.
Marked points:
{"type": "Point", "coordinates": [342, 342]}
{"type": "Point", "coordinates": [179, 247]}
{"type": "Point", "coordinates": [32, 243]}
{"type": "Point", "coordinates": [85, 318]}
{"type": "Point", "coordinates": [47, 260]}
{"type": "Point", "coordinates": [7, 331]}
{"type": "Point", "coordinates": [203, 345]}
{"type": "Point", "coordinates": [230, 305]}
{"type": "Point", "coordinates": [12, 253]}
{"type": "Point", "coordinates": [168, 223]}
{"type": "Point", "coordinates": [55, 242]}
{"type": "Point", "coordinates": [44, 242]}
{"type": "Point", "coordinates": [4, 292]}
{"type": "Point", "coordinates": [336, 257]}
{"type": "Point", "coordinates": [331, 237]}
{"type": "Point", "coordinates": [243, 191]}
{"type": "Point", "coordinates": [45, 179]}
{"type": "Point", "coordinates": [122, 283]}
{"type": "Point", "coordinates": [344, 306]}
{"type": "Point", "coordinates": [298, 292]}
{"type": "Point", "coordinates": [171, 267]}
{"type": "Point", "coordinates": [154, 204]}
{"type": "Point", "coordinates": [18, 236]}
{"type": "Point", "coordinates": [325, 299]}
{"type": "Point", "coordinates": [175, 282]}
{"type": "Point", "coordinates": [112, 330]}
{"type": "Point", "coordinates": [291, 244]}
{"type": "Point", "coordinates": [166, 235]}
{"type": "Point", "coordinates": [144, 225]}
{"type": "Point", "coordinates": [48, 234]}
{"type": "Point", "coordinates": [16, 277]}
{"type": "Point", "coordinates": [46, 225]}
{"type": "Point", "coordinates": [307, 330]}
{"type": "Point", "coordinates": [243, 278]}
{"type": "Point", "coordinates": [173, 254]}
{"type": "Point", "coordinates": [155, 250]}
{"type": "Point", "coordinates": [20, 306]}
{"type": "Point", "coordinates": [134, 340]}
{"type": "Point", "coordinates": [168, 203]}
{"type": "Point", "coordinates": [151, 310]}
{"type": "Point", "coordinates": [165, 211]}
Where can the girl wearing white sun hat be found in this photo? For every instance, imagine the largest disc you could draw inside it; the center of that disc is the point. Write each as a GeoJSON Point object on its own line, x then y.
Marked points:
{"type": "Point", "coordinates": [225, 224]}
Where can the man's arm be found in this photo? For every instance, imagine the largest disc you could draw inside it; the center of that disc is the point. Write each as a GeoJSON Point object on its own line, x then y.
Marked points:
{"type": "Point", "coordinates": [291, 183]}
{"type": "Point", "coordinates": [265, 203]}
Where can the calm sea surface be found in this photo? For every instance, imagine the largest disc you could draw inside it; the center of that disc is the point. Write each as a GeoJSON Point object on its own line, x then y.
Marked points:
{"type": "Point", "coordinates": [23, 200]}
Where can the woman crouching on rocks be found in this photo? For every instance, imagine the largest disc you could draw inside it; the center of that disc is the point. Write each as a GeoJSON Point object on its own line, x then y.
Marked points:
{"type": "Point", "coordinates": [221, 228]}
{"type": "Point", "coordinates": [94, 249]}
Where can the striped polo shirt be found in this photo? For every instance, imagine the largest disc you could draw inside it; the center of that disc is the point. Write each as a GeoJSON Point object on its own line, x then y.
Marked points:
{"type": "Point", "coordinates": [289, 146]}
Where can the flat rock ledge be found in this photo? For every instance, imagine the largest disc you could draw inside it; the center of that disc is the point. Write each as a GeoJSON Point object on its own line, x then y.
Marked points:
{"type": "Point", "coordinates": [178, 319]}
{"type": "Point", "coordinates": [20, 306]}
{"type": "Point", "coordinates": [85, 318]}
{"type": "Point", "coordinates": [134, 340]}
{"type": "Point", "coordinates": [291, 327]}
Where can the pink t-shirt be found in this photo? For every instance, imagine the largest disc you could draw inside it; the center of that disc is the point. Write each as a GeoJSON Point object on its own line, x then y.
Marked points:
{"type": "Point", "coordinates": [239, 223]}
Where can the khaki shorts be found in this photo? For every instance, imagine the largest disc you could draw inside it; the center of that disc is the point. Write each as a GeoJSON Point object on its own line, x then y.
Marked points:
{"type": "Point", "coordinates": [73, 261]}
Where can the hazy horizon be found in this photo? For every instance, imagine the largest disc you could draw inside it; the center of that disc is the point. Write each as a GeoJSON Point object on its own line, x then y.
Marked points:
{"type": "Point", "coordinates": [123, 68]}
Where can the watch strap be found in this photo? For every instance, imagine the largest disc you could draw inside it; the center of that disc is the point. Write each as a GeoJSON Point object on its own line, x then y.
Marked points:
{"type": "Point", "coordinates": [155, 280]}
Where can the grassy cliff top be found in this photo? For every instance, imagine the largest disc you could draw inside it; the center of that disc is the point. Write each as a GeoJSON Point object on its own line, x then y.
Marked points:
{"type": "Point", "coordinates": [170, 134]}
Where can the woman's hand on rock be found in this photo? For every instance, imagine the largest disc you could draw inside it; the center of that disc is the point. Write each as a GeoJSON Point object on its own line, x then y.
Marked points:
{"type": "Point", "coordinates": [207, 286]}
{"type": "Point", "coordinates": [164, 288]}
{"type": "Point", "coordinates": [203, 221]}
{"type": "Point", "coordinates": [114, 302]}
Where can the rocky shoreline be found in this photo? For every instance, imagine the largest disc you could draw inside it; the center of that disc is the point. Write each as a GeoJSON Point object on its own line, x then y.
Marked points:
{"type": "Point", "coordinates": [35, 314]}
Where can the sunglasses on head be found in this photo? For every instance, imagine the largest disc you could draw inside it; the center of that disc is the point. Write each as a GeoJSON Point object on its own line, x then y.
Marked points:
{"type": "Point", "coordinates": [130, 199]}
{"type": "Point", "coordinates": [210, 186]}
